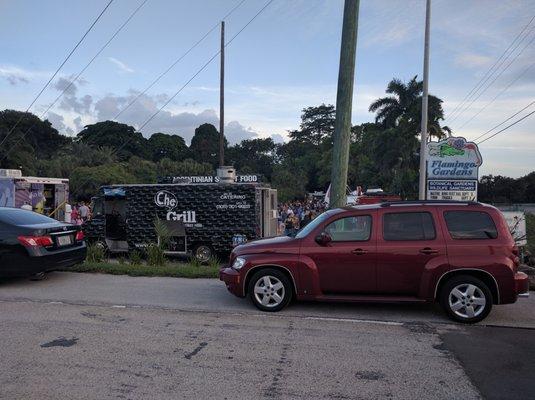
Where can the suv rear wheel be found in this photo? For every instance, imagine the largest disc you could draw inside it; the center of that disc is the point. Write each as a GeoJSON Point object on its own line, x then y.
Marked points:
{"type": "Point", "coordinates": [466, 299]}
{"type": "Point", "coordinates": [270, 290]}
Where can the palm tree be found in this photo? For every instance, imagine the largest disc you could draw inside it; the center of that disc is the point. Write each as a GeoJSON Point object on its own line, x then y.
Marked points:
{"type": "Point", "coordinates": [405, 103]}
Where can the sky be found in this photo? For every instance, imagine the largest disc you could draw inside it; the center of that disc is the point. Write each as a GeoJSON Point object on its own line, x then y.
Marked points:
{"type": "Point", "coordinates": [285, 60]}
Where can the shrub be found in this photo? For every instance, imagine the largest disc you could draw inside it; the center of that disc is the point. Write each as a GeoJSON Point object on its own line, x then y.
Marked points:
{"type": "Point", "coordinates": [194, 262]}
{"type": "Point", "coordinates": [95, 253]}
{"type": "Point", "coordinates": [155, 255]}
{"type": "Point", "coordinates": [214, 263]}
{"type": "Point", "coordinates": [162, 233]}
{"type": "Point", "coordinates": [135, 257]}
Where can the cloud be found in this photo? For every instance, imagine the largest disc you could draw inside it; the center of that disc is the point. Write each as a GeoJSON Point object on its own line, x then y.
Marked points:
{"type": "Point", "coordinates": [15, 75]}
{"type": "Point", "coordinates": [58, 122]}
{"type": "Point", "coordinates": [236, 132]}
{"type": "Point", "coordinates": [278, 138]}
{"type": "Point", "coordinates": [121, 65]}
{"type": "Point", "coordinates": [472, 60]}
{"type": "Point", "coordinates": [179, 122]}
{"type": "Point", "coordinates": [69, 100]}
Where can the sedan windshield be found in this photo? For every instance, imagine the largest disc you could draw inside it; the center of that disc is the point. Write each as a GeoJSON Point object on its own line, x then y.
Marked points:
{"type": "Point", "coordinates": [312, 225]}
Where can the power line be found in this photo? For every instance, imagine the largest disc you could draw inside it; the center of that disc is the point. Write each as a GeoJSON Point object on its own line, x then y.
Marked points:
{"type": "Point", "coordinates": [172, 65]}
{"type": "Point", "coordinates": [77, 76]}
{"type": "Point", "coordinates": [202, 68]}
{"type": "Point", "coordinates": [496, 77]}
{"type": "Point", "coordinates": [503, 122]}
{"type": "Point", "coordinates": [498, 95]}
{"type": "Point", "coordinates": [507, 127]}
{"type": "Point", "coordinates": [57, 70]}
{"type": "Point", "coordinates": [484, 78]}
{"type": "Point", "coordinates": [177, 61]}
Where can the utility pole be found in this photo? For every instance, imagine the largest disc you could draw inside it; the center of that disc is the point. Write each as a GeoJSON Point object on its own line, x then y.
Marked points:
{"type": "Point", "coordinates": [344, 97]}
{"type": "Point", "coordinates": [423, 143]}
{"type": "Point", "coordinates": [222, 100]}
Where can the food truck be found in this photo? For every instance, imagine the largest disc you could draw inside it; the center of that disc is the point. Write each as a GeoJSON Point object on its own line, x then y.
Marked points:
{"type": "Point", "coordinates": [203, 217]}
{"type": "Point", "coordinates": [46, 196]}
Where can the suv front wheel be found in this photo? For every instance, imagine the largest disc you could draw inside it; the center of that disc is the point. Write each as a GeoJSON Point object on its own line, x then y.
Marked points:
{"type": "Point", "coordinates": [466, 299]}
{"type": "Point", "coordinates": [270, 290]}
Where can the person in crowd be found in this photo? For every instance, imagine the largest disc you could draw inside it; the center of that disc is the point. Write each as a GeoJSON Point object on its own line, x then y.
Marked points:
{"type": "Point", "coordinates": [295, 215]}
{"type": "Point", "coordinates": [83, 210]}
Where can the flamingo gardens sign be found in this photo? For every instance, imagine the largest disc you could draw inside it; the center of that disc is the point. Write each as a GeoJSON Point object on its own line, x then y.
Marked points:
{"type": "Point", "coordinates": [452, 169]}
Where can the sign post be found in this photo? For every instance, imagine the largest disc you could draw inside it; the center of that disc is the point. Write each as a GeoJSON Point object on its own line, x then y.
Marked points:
{"type": "Point", "coordinates": [452, 169]}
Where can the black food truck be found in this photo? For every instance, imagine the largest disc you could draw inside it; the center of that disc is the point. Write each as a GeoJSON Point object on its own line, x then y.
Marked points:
{"type": "Point", "coordinates": [201, 219]}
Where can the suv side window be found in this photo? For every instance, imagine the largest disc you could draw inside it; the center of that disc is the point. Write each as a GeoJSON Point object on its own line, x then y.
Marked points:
{"type": "Point", "coordinates": [408, 226]}
{"type": "Point", "coordinates": [350, 229]}
{"type": "Point", "coordinates": [470, 225]}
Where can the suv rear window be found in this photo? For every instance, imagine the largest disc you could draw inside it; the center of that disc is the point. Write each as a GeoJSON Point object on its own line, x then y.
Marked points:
{"type": "Point", "coordinates": [470, 225]}
{"type": "Point", "coordinates": [408, 226]}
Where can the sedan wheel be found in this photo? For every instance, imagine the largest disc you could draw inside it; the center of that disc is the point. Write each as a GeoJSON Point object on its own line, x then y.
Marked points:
{"type": "Point", "coordinates": [466, 299]}
{"type": "Point", "coordinates": [270, 290]}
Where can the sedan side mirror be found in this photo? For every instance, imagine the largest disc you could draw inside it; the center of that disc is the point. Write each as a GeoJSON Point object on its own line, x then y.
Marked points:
{"type": "Point", "coordinates": [323, 239]}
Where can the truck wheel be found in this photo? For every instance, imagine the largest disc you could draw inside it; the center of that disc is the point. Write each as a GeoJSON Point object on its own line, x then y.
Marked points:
{"type": "Point", "coordinates": [270, 290]}
{"type": "Point", "coordinates": [203, 253]}
{"type": "Point", "coordinates": [466, 299]}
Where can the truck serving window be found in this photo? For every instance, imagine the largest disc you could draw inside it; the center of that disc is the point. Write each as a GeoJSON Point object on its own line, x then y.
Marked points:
{"type": "Point", "coordinates": [470, 225]}
{"type": "Point", "coordinates": [408, 226]}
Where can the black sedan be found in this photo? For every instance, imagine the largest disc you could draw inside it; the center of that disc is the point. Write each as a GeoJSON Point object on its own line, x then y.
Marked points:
{"type": "Point", "coordinates": [31, 243]}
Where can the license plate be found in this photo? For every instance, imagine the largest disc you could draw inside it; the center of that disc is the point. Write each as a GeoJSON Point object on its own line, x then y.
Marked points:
{"type": "Point", "coordinates": [64, 240]}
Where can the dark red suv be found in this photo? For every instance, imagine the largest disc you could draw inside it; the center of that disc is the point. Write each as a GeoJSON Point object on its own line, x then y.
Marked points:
{"type": "Point", "coordinates": [459, 254]}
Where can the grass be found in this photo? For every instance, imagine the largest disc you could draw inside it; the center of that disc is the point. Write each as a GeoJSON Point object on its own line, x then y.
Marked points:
{"type": "Point", "coordinates": [175, 270]}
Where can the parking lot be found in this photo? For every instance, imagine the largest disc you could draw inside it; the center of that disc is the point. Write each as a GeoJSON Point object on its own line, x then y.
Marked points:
{"type": "Point", "coordinates": [91, 336]}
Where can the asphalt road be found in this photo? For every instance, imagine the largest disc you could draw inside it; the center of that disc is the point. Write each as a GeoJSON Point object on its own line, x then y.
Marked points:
{"type": "Point", "coordinates": [82, 336]}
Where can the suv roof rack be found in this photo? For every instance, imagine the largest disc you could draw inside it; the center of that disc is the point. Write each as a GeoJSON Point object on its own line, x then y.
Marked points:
{"type": "Point", "coordinates": [416, 202]}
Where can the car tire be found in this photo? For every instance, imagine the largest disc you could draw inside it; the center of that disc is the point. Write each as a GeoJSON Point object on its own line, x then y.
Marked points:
{"type": "Point", "coordinates": [466, 299]}
{"type": "Point", "coordinates": [38, 276]}
{"type": "Point", "coordinates": [270, 290]}
{"type": "Point", "coordinates": [203, 253]}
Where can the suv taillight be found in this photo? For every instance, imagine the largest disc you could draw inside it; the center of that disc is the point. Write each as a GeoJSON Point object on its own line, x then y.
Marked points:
{"type": "Point", "coordinates": [515, 256]}
{"type": "Point", "coordinates": [36, 241]}
{"type": "Point", "coordinates": [79, 236]}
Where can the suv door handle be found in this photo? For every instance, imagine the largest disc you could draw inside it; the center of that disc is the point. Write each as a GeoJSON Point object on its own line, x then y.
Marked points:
{"type": "Point", "coordinates": [428, 250]}
{"type": "Point", "coordinates": [359, 252]}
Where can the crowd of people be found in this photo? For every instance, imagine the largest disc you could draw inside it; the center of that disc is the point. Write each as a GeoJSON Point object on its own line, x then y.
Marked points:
{"type": "Point", "coordinates": [80, 213]}
{"type": "Point", "coordinates": [295, 215]}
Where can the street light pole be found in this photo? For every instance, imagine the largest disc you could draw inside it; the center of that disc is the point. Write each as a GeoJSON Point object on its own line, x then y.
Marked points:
{"type": "Point", "coordinates": [423, 143]}
{"type": "Point", "coordinates": [344, 97]}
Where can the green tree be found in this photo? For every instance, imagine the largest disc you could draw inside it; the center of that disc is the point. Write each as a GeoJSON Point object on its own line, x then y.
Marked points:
{"type": "Point", "coordinates": [121, 137]}
{"type": "Point", "coordinates": [317, 124]}
{"type": "Point", "coordinates": [205, 144]}
{"type": "Point", "coordinates": [173, 147]}
{"type": "Point", "coordinates": [188, 167]}
{"type": "Point", "coordinates": [85, 181]}
{"type": "Point", "coordinates": [255, 156]}
{"type": "Point", "coordinates": [405, 103]}
{"type": "Point", "coordinates": [30, 140]}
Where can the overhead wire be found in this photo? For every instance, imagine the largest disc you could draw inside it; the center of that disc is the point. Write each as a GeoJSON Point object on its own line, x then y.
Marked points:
{"type": "Point", "coordinates": [490, 71]}
{"type": "Point", "coordinates": [507, 127]}
{"type": "Point", "coordinates": [57, 70]}
{"type": "Point", "coordinates": [496, 77]}
{"type": "Point", "coordinates": [202, 68]}
{"type": "Point", "coordinates": [73, 80]}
